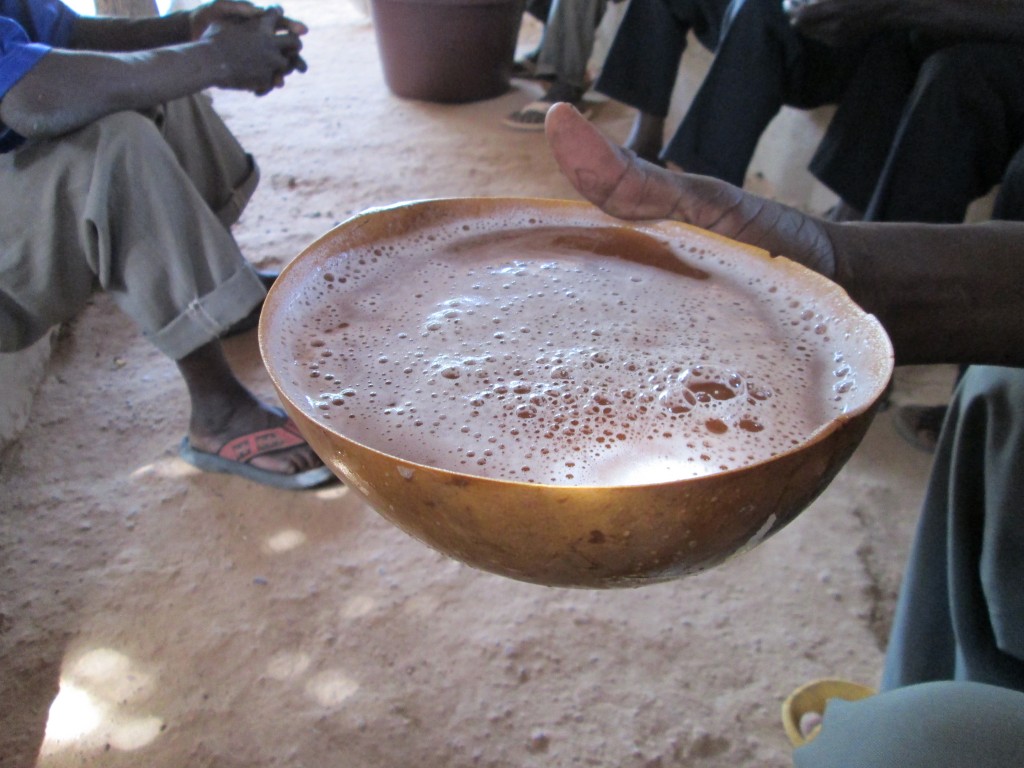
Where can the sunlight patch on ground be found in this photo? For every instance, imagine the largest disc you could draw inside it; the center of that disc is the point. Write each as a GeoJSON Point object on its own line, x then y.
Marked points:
{"type": "Point", "coordinates": [171, 467]}
{"type": "Point", "coordinates": [135, 733]}
{"type": "Point", "coordinates": [285, 541]}
{"type": "Point", "coordinates": [332, 492]}
{"type": "Point", "coordinates": [288, 665]}
{"type": "Point", "coordinates": [358, 606]}
{"type": "Point", "coordinates": [91, 710]}
{"type": "Point", "coordinates": [331, 688]}
{"type": "Point", "coordinates": [422, 605]}
{"type": "Point", "coordinates": [112, 673]}
{"type": "Point", "coordinates": [74, 714]}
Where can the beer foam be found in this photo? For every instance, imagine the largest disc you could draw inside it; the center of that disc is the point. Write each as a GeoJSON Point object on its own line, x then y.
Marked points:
{"type": "Point", "coordinates": [560, 354]}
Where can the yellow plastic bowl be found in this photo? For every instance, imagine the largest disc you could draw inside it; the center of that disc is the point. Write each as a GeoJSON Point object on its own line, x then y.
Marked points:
{"type": "Point", "coordinates": [579, 536]}
{"type": "Point", "coordinates": [814, 697]}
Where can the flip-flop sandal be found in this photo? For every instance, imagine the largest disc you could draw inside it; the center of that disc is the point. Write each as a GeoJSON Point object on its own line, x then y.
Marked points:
{"type": "Point", "coordinates": [531, 117]}
{"type": "Point", "coordinates": [235, 455]}
{"type": "Point", "coordinates": [251, 320]}
{"type": "Point", "coordinates": [811, 699]}
{"type": "Point", "coordinates": [526, 69]}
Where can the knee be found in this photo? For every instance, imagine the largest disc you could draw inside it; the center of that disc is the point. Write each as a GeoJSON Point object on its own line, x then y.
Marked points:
{"type": "Point", "coordinates": [130, 137]}
{"type": "Point", "coordinates": [957, 71]}
{"type": "Point", "coordinates": [921, 725]}
{"type": "Point", "coordinates": [994, 388]}
{"type": "Point", "coordinates": [752, 24]}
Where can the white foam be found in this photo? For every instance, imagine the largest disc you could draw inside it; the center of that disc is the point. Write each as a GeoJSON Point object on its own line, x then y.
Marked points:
{"type": "Point", "coordinates": [523, 355]}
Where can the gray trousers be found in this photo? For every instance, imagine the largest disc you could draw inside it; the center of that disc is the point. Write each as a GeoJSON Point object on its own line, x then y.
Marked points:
{"type": "Point", "coordinates": [568, 39]}
{"type": "Point", "coordinates": [953, 686]}
{"type": "Point", "coordinates": [139, 206]}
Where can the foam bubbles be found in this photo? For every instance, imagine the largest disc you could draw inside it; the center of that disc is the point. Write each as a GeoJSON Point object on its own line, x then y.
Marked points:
{"type": "Point", "coordinates": [536, 354]}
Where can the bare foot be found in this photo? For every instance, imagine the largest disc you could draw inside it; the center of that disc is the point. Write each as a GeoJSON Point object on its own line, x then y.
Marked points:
{"type": "Point", "coordinates": [224, 411]}
{"type": "Point", "coordinates": [249, 418]}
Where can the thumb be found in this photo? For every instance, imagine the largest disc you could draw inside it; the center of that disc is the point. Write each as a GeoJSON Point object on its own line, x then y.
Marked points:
{"type": "Point", "coordinates": [269, 20]}
{"type": "Point", "coordinates": [604, 173]}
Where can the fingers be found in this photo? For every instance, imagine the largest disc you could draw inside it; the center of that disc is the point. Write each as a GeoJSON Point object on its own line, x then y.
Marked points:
{"type": "Point", "coordinates": [284, 24]}
{"type": "Point", "coordinates": [599, 170]}
{"type": "Point", "coordinates": [269, 20]}
{"type": "Point", "coordinates": [292, 26]}
{"type": "Point", "coordinates": [220, 10]}
{"type": "Point", "coordinates": [285, 34]}
{"type": "Point", "coordinates": [237, 8]}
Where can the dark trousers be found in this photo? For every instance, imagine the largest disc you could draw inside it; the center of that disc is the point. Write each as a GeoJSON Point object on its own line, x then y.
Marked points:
{"type": "Point", "coordinates": [761, 65]}
{"type": "Point", "coordinates": [962, 123]}
{"type": "Point", "coordinates": [643, 61]}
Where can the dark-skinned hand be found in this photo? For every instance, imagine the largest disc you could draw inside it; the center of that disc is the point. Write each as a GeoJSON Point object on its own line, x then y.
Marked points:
{"type": "Point", "coordinates": [257, 51]}
{"type": "Point", "coordinates": [623, 185]}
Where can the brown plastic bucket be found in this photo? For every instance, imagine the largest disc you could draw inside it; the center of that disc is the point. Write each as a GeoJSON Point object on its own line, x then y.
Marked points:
{"type": "Point", "coordinates": [447, 50]}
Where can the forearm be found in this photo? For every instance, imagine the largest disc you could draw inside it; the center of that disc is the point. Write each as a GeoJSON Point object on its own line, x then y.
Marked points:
{"type": "Point", "coordinates": [945, 294]}
{"type": "Point", "coordinates": [836, 22]}
{"type": "Point", "coordinates": [126, 34]}
{"type": "Point", "coordinates": [60, 95]}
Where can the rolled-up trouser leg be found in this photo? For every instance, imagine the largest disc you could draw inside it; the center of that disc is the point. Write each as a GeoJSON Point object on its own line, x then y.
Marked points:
{"type": "Point", "coordinates": [111, 204]}
{"type": "Point", "coordinates": [930, 725]}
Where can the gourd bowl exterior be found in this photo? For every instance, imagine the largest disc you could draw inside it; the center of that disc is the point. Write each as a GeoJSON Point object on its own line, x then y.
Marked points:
{"type": "Point", "coordinates": [579, 536]}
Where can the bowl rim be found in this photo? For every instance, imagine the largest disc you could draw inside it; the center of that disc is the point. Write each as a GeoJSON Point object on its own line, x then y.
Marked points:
{"type": "Point", "coordinates": [827, 287]}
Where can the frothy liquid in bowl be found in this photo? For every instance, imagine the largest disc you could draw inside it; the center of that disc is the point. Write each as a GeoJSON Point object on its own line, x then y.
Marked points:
{"type": "Point", "coordinates": [565, 355]}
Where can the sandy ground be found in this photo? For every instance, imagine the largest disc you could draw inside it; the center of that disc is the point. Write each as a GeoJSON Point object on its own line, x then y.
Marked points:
{"type": "Point", "coordinates": [199, 620]}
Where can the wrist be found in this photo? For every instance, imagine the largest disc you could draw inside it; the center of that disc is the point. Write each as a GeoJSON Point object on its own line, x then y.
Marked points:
{"type": "Point", "coordinates": [189, 25]}
{"type": "Point", "coordinates": [208, 58]}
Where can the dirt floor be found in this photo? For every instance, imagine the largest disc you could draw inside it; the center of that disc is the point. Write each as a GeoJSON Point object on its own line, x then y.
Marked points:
{"type": "Point", "coordinates": [199, 620]}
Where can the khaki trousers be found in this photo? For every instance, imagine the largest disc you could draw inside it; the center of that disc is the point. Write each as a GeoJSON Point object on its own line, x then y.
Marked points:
{"type": "Point", "coordinates": [140, 206]}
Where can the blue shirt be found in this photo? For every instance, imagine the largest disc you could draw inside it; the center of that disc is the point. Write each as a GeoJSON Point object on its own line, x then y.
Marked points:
{"type": "Point", "coordinates": [28, 30]}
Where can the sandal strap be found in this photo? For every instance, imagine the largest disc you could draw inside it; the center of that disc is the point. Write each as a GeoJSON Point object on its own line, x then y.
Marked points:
{"type": "Point", "coordinates": [247, 447]}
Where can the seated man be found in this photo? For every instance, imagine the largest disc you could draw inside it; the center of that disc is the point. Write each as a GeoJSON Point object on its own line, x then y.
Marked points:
{"type": "Point", "coordinates": [953, 687]}
{"type": "Point", "coordinates": [761, 64]}
{"type": "Point", "coordinates": [118, 174]}
{"type": "Point", "coordinates": [961, 113]}
{"type": "Point", "coordinates": [962, 122]}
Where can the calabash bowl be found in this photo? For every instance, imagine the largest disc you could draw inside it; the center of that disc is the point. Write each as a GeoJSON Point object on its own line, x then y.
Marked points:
{"type": "Point", "coordinates": [623, 535]}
